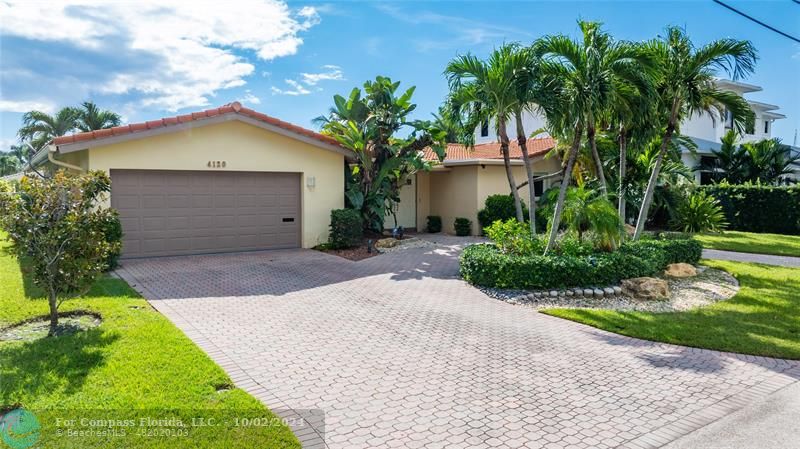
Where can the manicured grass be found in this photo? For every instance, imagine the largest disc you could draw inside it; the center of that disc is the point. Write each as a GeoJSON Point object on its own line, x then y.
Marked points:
{"type": "Point", "coordinates": [136, 364]}
{"type": "Point", "coordinates": [750, 242]}
{"type": "Point", "coordinates": [762, 319]}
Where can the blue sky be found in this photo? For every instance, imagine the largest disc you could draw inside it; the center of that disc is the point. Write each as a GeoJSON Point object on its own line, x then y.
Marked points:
{"type": "Point", "coordinates": [150, 60]}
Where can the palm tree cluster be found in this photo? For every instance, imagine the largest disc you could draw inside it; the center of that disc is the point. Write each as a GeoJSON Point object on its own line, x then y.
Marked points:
{"type": "Point", "coordinates": [767, 161]}
{"type": "Point", "coordinates": [39, 128]}
{"type": "Point", "coordinates": [599, 88]}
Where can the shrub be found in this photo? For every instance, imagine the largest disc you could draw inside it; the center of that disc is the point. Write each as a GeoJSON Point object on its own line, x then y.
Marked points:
{"type": "Point", "coordinates": [499, 207]}
{"type": "Point", "coordinates": [112, 230]}
{"type": "Point", "coordinates": [513, 237]}
{"type": "Point", "coordinates": [346, 228]}
{"type": "Point", "coordinates": [56, 226]}
{"type": "Point", "coordinates": [434, 223]}
{"type": "Point", "coordinates": [757, 208]}
{"type": "Point", "coordinates": [699, 212]}
{"type": "Point", "coordinates": [488, 266]}
{"type": "Point", "coordinates": [463, 226]}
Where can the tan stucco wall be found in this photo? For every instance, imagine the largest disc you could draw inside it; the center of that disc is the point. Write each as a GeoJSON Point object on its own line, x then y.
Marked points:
{"type": "Point", "coordinates": [244, 148]}
{"type": "Point", "coordinates": [454, 193]}
{"type": "Point", "coordinates": [462, 190]}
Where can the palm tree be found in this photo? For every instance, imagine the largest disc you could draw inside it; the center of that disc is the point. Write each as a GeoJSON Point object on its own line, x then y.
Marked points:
{"type": "Point", "coordinates": [39, 128]}
{"type": "Point", "coordinates": [768, 160]}
{"type": "Point", "coordinates": [92, 118]}
{"type": "Point", "coordinates": [630, 115]}
{"type": "Point", "coordinates": [485, 90]}
{"type": "Point", "coordinates": [686, 86]}
{"type": "Point", "coordinates": [728, 162]}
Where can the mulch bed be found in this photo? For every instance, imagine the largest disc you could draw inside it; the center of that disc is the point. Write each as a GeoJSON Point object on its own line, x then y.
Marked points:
{"type": "Point", "coordinates": [359, 252]}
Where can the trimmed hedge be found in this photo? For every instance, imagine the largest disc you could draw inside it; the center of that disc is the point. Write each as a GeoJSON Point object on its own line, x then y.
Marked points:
{"type": "Point", "coordinates": [756, 208]}
{"type": "Point", "coordinates": [499, 207]}
{"type": "Point", "coordinates": [485, 265]}
{"type": "Point", "coordinates": [346, 228]}
{"type": "Point", "coordinates": [463, 226]}
{"type": "Point", "coordinates": [434, 223]}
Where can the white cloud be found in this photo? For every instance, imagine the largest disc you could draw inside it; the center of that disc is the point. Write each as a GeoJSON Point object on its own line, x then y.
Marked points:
{"type": "Point", "coordinates": [195, 49]}
{"type": "Point", "coordinates": [296, 89]}
{"type": "Point", "coordinates": [25, 106]}
{"type": "Point", "coordinates": [249, 98]}
{"type": "Point", "coordinates": [333, 73]}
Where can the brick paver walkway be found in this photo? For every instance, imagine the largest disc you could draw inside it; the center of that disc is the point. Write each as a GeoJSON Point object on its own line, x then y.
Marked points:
{"type": "Point", "coordinates": [398, 352]}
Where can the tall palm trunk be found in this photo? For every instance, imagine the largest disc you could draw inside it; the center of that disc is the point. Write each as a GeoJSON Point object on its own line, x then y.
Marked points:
{"type": "Point", "coordinates": [522, 140]}
{"type": "Point", "coordinates": [623, 161]}
{"type": "Point", "coordinates": [651, 184]}
{"type": "Point", "coordinates": [598, 164]}
{"type": "Point", "coordinates": [562, 191]}
{"type": "Point", "coordinates": [507, 161]}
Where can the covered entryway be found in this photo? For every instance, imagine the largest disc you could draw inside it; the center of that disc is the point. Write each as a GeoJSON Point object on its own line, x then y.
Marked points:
{"type": "Point", "coordinates": [177, 212]}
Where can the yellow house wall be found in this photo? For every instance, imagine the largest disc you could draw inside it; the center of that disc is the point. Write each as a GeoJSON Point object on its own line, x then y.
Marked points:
{"type": "Point", "coordinates": [492, 179]}
{"type": "Point", "coordinates": [423, 199]}
{"type": "Point", "coordinates": [244, 148]}
{"type": "Point", "coordinates": [454, 193]}
{"type": "Point", "coordinates": [462, 191]}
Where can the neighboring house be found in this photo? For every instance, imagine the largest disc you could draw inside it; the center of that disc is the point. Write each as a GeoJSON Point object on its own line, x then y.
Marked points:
{"type": "Point", "coordinates": [224, 179]}
{"type": "Point", "coordinates": [458, 186]}
{"type": "Point", "coordinates": [706, 130]}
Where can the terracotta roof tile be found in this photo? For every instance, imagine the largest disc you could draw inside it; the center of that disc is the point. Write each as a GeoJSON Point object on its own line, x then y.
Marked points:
{"type": "Point", "coordinates": [232, 108]}
{"type": "Point", "coordinates": [458, 152]}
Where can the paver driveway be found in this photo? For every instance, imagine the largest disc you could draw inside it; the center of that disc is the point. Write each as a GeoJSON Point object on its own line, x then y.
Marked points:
{"type": "Point", "coordinates": [398, 352]}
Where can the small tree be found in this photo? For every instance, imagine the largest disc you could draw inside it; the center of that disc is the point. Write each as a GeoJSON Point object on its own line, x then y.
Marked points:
{"type": "Point", "coordinates": [56, 226]}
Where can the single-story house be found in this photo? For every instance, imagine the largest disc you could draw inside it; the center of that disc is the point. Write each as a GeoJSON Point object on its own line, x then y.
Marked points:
{"type": "Point", "coordinates": [234, 179]}
{"type": "Point", "coordinates": [223, 179]}
{"type": "Point", "coordinates": [459, 185]}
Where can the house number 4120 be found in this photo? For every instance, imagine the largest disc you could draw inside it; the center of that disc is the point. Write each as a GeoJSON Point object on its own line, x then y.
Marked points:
{"type": "Point", "coordinates": [217, 164]}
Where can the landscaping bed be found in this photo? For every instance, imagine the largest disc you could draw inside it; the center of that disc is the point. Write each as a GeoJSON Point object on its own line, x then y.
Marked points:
{"type": "Point", "coordinates": [487, 265]}
{"type": "Point", "coordinates": [707, 287]}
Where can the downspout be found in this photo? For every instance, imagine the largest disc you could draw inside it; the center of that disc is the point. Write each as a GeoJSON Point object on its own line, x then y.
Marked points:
{"type": "Point", "coordinates": [51, 151]}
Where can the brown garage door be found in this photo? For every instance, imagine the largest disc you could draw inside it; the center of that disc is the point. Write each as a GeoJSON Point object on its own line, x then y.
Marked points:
{"type": "Point", "coordinates": [166, 213]}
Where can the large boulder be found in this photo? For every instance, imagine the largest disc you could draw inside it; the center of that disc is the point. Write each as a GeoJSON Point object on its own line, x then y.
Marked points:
{"type": "Point", "coordinates": [645, 288]}
{"type": "Point", "coordinates": [680, 270]}
{"type": "Point", "coordinates": [629, 230]}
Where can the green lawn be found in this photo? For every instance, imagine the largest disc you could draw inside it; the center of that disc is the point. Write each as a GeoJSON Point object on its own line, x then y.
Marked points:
{"type": "Point", "coordinates": [136, 364]}
{"type": "Point", "coordinates": [762, 319]}
{"type": "Point", "coordinates": [750, 242]}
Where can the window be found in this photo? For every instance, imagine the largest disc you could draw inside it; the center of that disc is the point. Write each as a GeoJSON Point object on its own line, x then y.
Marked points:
{"type": "Point", "coordinates": [709, 172]}
{"type": "Point", "coordinates": [484, 128]}
{"type": "Point", "coordinates": [766, 126]}
{"type": "Point", "coordinates": [728, 119]}
{"type": "Point", "coordinates": [538, 188]}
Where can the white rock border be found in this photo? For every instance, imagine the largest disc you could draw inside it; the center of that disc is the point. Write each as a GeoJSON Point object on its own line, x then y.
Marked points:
{"type": "Point", "coordinates": [709, 286]}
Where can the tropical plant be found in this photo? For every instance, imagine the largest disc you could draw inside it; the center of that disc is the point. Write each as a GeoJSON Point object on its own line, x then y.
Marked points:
{"type": "Point", "coordinates": [448, 120]}
{"type": "Point", "coordinates": [687, 86]}
{"type": "Point", "coordinates": [56, 225]}
{"type": "Point", "coordinates": [586, 209]}
{"type": "Point", "coordinates": [91, 118]}
{"type": "Point", "coordinates": [700, 213]}
{"type": "Point", "coordinates": [369, 123]}
{"type": "Point", "coordinates": [488, 90]}
{"type": "Point", "coordinates": [767, 161]}
{"type": "Point", "coordinates": [9, 164]}
{"type": "Point", "coordinates": [434, 224]}
{"type": "Point", "coordinates": [39, 128]}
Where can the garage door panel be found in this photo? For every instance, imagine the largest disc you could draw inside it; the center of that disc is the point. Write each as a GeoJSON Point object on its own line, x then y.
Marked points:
{"type": "Point", "coordinates": [192, 212]}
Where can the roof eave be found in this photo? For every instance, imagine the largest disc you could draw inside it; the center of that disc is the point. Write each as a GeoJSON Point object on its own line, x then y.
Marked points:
{"type": "Point", "coordinates": [221, 118]}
